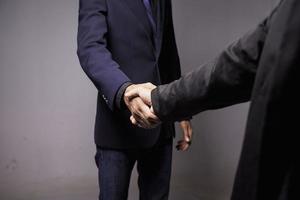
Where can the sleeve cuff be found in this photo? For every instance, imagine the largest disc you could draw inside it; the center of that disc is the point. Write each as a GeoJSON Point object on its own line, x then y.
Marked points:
{"type": "Point", "coordinates": [119, 101]}
{"type": "Point", "coordinates": [155, 103]}
{"type": "Point", "coordinates": [158, 110]}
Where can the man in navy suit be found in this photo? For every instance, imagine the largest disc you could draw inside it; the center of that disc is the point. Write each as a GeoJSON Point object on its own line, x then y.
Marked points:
{"type": "Point", "coordinates": [120, 43]}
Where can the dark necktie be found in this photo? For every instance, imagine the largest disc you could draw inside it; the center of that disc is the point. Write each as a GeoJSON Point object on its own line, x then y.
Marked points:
{"type": "Point", "coordinates": [150, 6]}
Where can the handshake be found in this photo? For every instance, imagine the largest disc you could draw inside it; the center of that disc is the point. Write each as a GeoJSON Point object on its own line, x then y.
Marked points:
{"type": "Point", "coordinates": [138, 100]}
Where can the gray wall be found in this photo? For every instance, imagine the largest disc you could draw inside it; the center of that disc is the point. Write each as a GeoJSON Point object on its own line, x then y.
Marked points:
{"type": "Point", "coordinates": [47, 105]}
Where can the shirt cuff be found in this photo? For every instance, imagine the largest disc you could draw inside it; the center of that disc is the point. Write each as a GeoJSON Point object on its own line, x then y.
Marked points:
{"type": "Point", "coordinates": [119, 100]}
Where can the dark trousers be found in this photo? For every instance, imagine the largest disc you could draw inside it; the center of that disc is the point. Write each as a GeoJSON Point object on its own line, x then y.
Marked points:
{"type": "Point", "coordinates": [153, 166]}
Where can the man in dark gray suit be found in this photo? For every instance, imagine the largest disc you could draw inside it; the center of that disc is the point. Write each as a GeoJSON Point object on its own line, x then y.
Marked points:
{"type": "Point", "coordinates": [264, 67]}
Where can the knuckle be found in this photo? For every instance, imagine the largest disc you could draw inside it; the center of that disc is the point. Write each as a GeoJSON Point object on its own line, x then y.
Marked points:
{"type": "Point", "coordinates": [148, 116]}
{"type": "Point", "coordinates": [139, 109]}
{"type": "Point", "coordinates": [135, 108]}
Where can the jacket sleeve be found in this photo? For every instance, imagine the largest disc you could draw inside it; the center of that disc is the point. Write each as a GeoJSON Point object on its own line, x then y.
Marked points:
{"type": "Point", "coordinates": [94, 55]}
{"type": "Point", "coordinates": [225, 81]}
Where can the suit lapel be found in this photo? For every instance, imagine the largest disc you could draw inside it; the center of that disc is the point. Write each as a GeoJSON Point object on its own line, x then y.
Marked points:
{"type": "Point", "coordinates": [139, 11]}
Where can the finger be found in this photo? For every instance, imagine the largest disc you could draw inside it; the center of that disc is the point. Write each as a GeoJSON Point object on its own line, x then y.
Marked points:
{"type": "Point", "coordinates": [152, 110]}
{"type": "Point", "coordinates": [135, 108]}
{"type": "Point", "coordinates": [182, 145]}
{"type": "Point", "coordinates": [131, 94]}
{"type": "Point", "coordinates": [142, 119]}
{"type": "Point", "coordinates": [188, 126]}
{"type": "Point", "coordinates": [185, 147]}
{"type": "Point", "coordinates": [144, 123]}
{"type": "Point", "coordinates": [147, 115]}
{"type": "Point", "coordinates": [142, 114]}
{"type": "Point", "coordinates": [157, 118]}
{"type": "Point", "coordinates": [179, 145]}
{"type": "Point", "coordinates": [190, 131]}
{"type": "Point", "coordinates": [133, 120]}
{"type": "Point", "coordinates": [139, 121]}
{"type": "Point", "coordinates": [185, 132]}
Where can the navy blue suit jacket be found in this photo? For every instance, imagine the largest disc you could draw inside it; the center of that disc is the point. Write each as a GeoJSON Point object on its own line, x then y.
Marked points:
{"type": "Point", "coordinates": [115, 46]}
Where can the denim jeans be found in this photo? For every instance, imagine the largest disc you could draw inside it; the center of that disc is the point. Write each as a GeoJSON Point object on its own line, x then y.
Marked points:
{"type": "Point", "coordinates": [153, 166]}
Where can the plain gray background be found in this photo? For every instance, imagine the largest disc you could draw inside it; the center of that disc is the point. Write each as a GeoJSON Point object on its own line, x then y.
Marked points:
{"type": "Point", "coordinates": [47, 104]}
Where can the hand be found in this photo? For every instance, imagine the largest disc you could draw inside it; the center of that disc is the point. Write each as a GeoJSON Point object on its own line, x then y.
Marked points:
{"type": "Point", "coordinates": [141, 113]}
{"type": "Point", "coordinates": [140, 90]}
{"type": "Point", "coordinates": [185, 142]}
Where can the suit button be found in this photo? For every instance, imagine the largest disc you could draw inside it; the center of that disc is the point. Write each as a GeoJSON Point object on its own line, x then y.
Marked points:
{"type": "Point", "coordinates": [105, 99]}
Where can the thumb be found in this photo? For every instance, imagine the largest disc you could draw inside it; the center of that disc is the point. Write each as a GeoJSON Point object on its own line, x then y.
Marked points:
{"type": "Point", "coordinates": [186, 133]}
{"type": "Point", "coordinates": [152, 110]}
{"type": "Point", "coordinates": [186, 137]}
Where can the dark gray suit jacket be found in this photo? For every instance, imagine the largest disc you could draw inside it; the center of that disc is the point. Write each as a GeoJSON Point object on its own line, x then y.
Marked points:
{"type": "Point", "coordinates": [263, 66]}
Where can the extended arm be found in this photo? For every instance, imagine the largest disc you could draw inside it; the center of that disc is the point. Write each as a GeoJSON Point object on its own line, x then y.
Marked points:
{"type": "Point", "coordinates": [225, 81]}
{"type": "Point", "coordinates": [94, 56]}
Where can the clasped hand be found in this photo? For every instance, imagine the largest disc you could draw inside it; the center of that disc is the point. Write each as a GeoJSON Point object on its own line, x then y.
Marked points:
{"type": "Point", "coordinates": [138, 100]}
